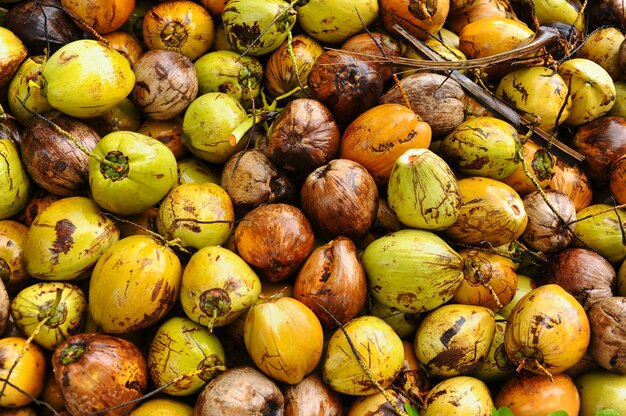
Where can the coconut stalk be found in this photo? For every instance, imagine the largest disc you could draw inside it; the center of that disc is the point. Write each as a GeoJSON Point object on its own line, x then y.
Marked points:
{"type": "Point", "coordinates": [544, 37]}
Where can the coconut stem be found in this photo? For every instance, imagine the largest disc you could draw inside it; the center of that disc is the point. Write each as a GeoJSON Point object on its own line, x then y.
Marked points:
{"type": "Point", "coordinates": [84, 25]}
{"type": "Point", "coordinates": [159, 390]}
{"type": "Point", "coordinates": [51, 312]}
{"type": "Point", "coordinates": [492, 291]}
{"type": "Point", "coordinates": [33, 399]}
{"type": "Point", "coordinates": [212, 320]}
{"type": "Point", "coordinates": [173, 243]}
{"type": "Point", "coordinates": [396, 81]}
{"type": "Point", "coordinates": [619, 220]}
{"type": "Point", "coordinates": [294, 63]}
{"type": "Point", "coordinates": [29, 340]}
{"type": "Point", "coordinates": [67, 134]}
{"type": "Point", "coordinates": [543, 370]}
{"type": "Point", "coordinates": [361, 362]}
{"type": "Point", "coordinates": [532, 253]}
{"type": "Point", "coordinates": [604, 211]}
{"type": "Point", "coordinates": [538, 187]}
{"type": "Point", "coordinates": [236, 135]}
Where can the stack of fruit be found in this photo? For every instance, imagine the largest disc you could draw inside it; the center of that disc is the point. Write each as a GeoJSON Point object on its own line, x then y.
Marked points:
{"type": "Point", "coordinates": [254, 207]}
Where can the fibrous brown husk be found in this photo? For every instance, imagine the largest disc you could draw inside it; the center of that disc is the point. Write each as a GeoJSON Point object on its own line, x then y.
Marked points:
{"type": "Point", "coordinates": [312, 397]}
{"type": "Point", "coordinates": [607, 318]}
{"type": "Point", "coordinates": [240, 391]}
{"type": "Point", "coordinates": [438, 99]}
{"type": "Point", "coordinates": [585, 274]}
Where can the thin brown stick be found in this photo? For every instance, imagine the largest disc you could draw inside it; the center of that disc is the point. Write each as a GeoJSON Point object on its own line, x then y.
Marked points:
{"type": "Point", "coordinates": [33, 399]}
{"type": "Point", "coordinates": [360, 360]}
{"type": "Point", "coordinates": [544, 37]}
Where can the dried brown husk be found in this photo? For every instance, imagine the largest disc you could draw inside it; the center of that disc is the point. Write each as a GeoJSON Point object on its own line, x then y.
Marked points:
{"type": "Point", "coordinates": [607, 318]}
{"type": "Point", "coordinates": [332, 277]}
{"type": "Point", "coordinates": [303, 137]}
{"type": "Point", "coordinates": [376, 45]}
{"type": "Point", "coordinates": [97, 371]}
{"type": "Point", "coordinates": [42, 24]}
{"type": "Point", "coordinates": [340, 198]}
{"type": "Point", "coordinates": [548, 231]}
{"type": "Point", "coordinates": [617, 180]}
{"type": "Point", "coordinates": [276, 239]}
{"type": "Point", "coordinates": [346, 84]}
{"type": "Point", "coordinates": [312, 396]}
{"type": "Point", "coordinates": [53, 161]}
{"type": "Point", "coordinates": [251, 180]}
{"type": "Point", "coordinates": [166, 83]}
{"type": "Point", "coordinates": [437, 99]}
{"type": "Point", "coordinates": [240, 391]}
{"type": "Point", "coordinates": [585, 274]}
{"type": "Point", "coordinates": [602, 141]}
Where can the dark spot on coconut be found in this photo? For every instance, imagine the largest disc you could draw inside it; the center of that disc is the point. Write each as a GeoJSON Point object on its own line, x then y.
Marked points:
{"type": "Point", "coordinates": [452, 331]}
{"type": "Point", "coordinates": [244, 35]}
{"type": "Point", "coordinates": [326, 273]}
{"type": "Point", "coordinates": [519, 87]}
{"type": "Point", "coordinates": [407, 297]}
{"type": "Point", "coordinates": [166, 139]}
{"type": "Point", "coordinates": [477, 163]}
{"type": "Point", "coordinates": [142, 90]}
{"type": "Point", "coordinates": [63, 241]}
{"type": "Point", "coordinates": [433, 397]}
{"type": "Point", "coordinates": [58, 166]}
{"type": "Point", "coordinates": [134, 385]}
{"type": "Point", "coordinates": [232, 285]}
{"type": "Point", "coordinates": [194, 228]}
{"type": "Point", "coordinates": [160, 176]}
{"type": "Point", "coordinates": [382, 147]}
{"type": "Point", "coordinates": [273, 408]}
{"type": "Point", "coordinates": [225, 88]}
{"type": "Point", "coordinates": [156, 289]}
{"type": "Point", "coordinates": [65, 379]}
{"type": "Point", "coordinates": [408, 138]}
{"type": "Point", "coordinates": [65, 57]}
{"type": "Point", "coordinates": [160, 71]}
{"type": "Point", "coordinates": [451, 358]}
{"type": "Point", "coordinates": [324, 291]}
